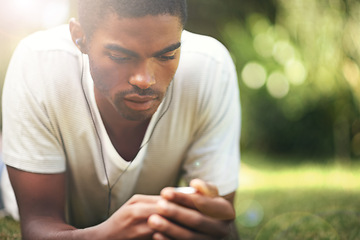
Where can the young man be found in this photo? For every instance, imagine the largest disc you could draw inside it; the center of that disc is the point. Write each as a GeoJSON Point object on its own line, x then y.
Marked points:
{"type": "Point", "coordinates": [101, 122]}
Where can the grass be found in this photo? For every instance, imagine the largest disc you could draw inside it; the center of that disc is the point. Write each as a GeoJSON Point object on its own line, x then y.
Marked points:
{"type": "Point", "coordinates": [298, 201]}
{"type": "Point", "coordinates": [9, 229]}
{"type": "Point", "coordinates": [278, 200]}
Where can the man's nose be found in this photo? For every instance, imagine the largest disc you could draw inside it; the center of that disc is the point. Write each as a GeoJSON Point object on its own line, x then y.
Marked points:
{"type": "Point", "coordinates": [143, 77]}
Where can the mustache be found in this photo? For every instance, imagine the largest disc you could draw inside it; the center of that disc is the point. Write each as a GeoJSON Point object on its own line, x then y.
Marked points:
{"type": "Point", "coordinates": [141, 92]}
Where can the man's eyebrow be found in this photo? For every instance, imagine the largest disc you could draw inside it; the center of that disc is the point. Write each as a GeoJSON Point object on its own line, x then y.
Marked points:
{"type": "Point", "coordinates": [117, 48]}
{"type": "Point", "coordinates": [170, 48]}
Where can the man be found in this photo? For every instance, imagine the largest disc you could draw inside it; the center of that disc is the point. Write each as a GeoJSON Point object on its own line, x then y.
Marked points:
{"type": "Point", "coordinates": [100, 124]}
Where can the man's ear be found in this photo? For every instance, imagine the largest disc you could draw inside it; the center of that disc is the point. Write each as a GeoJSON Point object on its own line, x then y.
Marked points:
{"type": "Point", "coordinates": [77, 35]}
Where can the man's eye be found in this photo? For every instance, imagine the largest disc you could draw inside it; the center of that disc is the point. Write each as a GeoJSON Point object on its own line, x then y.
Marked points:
{"type": "Point", "coordinates": [166, 57]}
{"type": "Point", "coordinates": [119, 58]}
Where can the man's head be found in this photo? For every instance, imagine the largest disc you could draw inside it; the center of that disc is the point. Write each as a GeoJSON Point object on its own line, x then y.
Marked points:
{"type": "Point", "coordinates": [92, 12]}
{"type": "Point", "coordinates": [134, 50]}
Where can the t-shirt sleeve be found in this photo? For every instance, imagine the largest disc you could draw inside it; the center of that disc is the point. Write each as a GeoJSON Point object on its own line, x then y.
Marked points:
{"type": "Point", "coordinates": [29, 139]}
{"type": "Point", "coordinates": [214, 155]}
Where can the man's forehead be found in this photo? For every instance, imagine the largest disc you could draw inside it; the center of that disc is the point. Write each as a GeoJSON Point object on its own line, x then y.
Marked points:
{"type": "Point", "coordinates": [156, 33]}
{"type": "Point", "coordinates": [112, 18]}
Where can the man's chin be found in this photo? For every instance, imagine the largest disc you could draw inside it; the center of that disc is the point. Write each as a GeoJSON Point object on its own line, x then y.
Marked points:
{"type": "Point", "coordinates": [137, 115]}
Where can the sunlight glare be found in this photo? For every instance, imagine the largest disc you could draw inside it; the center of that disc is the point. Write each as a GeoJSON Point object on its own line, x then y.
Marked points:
{"type": "Point", "coordinates": [33, 14]}
{"type": "Point", "coordinates": [55, 13]}
{"type": "Point", "coordinates": [22, 4]}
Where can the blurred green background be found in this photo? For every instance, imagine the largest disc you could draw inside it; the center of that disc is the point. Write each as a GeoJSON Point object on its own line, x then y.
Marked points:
{"type": "Point", "coordinates": [297, 62]}
{"type": "Point", "coordinates": [299, 78]}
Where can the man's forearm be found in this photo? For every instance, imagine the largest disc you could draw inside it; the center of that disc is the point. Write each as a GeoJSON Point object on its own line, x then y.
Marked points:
{"type": "Point", "coordinates": [50, 229]}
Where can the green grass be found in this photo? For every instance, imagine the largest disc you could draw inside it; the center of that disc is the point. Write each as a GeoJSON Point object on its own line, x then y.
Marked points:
{"type": "Point", "coordinates": [9, 229]}
{"type": "Point", "coordinates": [298, 201]}
{"type": "Point", "coordinates": [278, 200]}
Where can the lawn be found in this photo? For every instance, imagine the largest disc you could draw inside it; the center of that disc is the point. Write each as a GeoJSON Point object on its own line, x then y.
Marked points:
{"type": "Point", "coordinates": [279, 200]}
{"type": "Point", "coordinates": [298, 201]}
{"type": "Point", "coordinates": [9, 229]}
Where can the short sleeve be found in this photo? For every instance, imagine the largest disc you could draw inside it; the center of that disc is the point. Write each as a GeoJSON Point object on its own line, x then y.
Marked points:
{"type": "Point", "coordinates": [214, 154]}
{"type": "Point", "coordinates": [29, 141]}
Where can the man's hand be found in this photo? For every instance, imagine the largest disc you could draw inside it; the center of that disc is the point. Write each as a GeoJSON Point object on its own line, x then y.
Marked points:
{"type": "Point", "coordinates": [130, 220]}
{"type": "Point", "coordinates": [202, 215]}
{"type": "Point", "coordinates": [41, 200]}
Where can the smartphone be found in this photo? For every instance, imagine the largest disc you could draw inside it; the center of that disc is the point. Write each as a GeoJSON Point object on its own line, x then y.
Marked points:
{"type": "Point", "coordinates": [187, 190]}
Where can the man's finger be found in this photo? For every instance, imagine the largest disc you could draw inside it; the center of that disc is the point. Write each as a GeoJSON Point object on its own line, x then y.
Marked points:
{"type": "Point", "coordinates": [185, 219]}
{"type": "Point", "coordinates": [216, 207]}
{"type": "Point", "coordinates": [204, 188]}
{"type": "Point", "coordinates": [180, 198]}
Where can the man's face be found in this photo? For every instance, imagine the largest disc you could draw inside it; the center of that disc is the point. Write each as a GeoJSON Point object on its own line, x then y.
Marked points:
{"type": "Point", "coordinates": [133, 60]}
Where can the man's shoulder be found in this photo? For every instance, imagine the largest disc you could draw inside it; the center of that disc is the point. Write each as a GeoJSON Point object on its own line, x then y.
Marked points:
{"type": "Point", "coordinates": [46, 64]}
{"type": "Point", "coordinates": [54, 39]}
{"type": "Point", "coordinates": [203, 45]}
{"type": "Point", "coordinates": [205, 67]}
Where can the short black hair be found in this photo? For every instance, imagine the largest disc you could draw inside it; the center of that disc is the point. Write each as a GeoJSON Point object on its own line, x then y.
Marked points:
{"type": "Point", "coordinates": [91, 12]}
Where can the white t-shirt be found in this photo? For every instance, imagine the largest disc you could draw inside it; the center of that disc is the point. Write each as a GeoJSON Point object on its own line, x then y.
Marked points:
{"type": "Point", "coordinates": [51, 124]}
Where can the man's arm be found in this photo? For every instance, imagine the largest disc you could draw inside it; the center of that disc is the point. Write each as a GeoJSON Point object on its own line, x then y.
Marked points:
{"type": "Point", "coordinates": [233, 232]}
{"type": "Point", "coordinates": [41, 201]}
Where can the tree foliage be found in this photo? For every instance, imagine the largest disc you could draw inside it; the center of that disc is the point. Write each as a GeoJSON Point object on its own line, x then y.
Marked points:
{"type": "Point", "coordinates": [298, 66]}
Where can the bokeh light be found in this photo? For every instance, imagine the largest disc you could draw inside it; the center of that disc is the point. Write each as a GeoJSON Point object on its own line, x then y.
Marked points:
{"type": "Point", "coordinates": [283, 52]}
{"type": "Point", "coordinates": [296, 72]}
{"type": "Point", "coordinates": [263, 44]}
{"type": "Point", "coordinates": [252, 215]}
{"type": "Point", "coordinates": [351, 73]}
{"type": "Point", "coordinates": [254, 75]}
{"type": "Point", "coordinates": [277, 85]}
{"type": "Point", "coordinates": [258, 24]}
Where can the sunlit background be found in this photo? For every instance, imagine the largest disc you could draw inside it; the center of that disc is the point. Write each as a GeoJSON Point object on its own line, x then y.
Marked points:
{"type": "Point", "coordinates": [32, 14]}
{"type": "Point", "coordinates": [18, 18]}
{"type": "Point", "coordinates": [299, 78]}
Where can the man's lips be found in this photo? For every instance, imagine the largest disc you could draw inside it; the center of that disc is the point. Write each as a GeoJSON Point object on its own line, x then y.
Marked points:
{"type": "Point", "coordinates": [139, 98]}
{"type": "Point", "coordinates": [138, 102]}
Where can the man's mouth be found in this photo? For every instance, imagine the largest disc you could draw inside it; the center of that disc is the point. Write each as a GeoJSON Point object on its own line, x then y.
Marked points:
{"type": "Point", "coordinates": [138, 102]}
